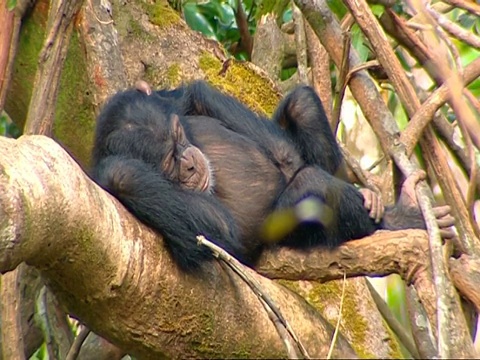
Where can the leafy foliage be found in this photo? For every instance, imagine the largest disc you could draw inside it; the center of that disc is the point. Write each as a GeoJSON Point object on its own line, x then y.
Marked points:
{"type": "Point", "coordinates": [7, 128]}
{"type": "Point", "coordinates": [216, 20]}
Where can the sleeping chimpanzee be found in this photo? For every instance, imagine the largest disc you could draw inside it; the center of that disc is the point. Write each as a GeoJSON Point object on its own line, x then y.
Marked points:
{"type": "Point", "coordinates": [194, 161]}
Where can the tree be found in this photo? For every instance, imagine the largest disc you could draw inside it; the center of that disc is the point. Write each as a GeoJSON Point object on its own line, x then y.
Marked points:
{"type": "Point", "coordinates": [113, 273]}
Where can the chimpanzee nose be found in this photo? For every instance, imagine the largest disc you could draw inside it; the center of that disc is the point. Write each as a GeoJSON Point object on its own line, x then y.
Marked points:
{"type": "Point", "coordinates": [188, 160]}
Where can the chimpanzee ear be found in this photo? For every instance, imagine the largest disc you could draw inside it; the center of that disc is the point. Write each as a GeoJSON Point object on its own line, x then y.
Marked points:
{"type": "Point", "coordinates": [177, 129]}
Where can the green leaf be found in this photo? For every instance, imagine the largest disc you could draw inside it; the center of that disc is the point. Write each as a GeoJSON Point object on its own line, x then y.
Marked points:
{"type": "Point", "coordinates": [287, 15]}
{"type": "Point", "coordinates": [358, 42]}
{"type": "Point", "coordinates": [198, 21]}
{"type": "Point", "coordinates": [11, 4]}
{"type": "Point", "coordinates": [337, 7]}
{"type": "Point", "coordinates": [377, 10]}
{"type": "Point", "coordinates": [226, 16]}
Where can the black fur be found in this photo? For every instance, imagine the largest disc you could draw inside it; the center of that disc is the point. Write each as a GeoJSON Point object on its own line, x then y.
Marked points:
{"type": "Point", "coordinates": [259, 166]}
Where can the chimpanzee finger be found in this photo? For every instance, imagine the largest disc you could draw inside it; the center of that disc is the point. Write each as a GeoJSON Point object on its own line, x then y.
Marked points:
{"type": "Point", "coordinates": [376, 212]}
{"type": "Point", "coordinates": [374, 208]}
{"type": "Point", "coordinates": [367, 198]}
{"type": "Point", "coordinates": [373, 202]}
{"type": "Point", "coordinates": [441, 211]}
{"type": "Point", "coordinates": [380, 209]}
{"type": "Point", "coordinates": [447, 234]}
{"type": "Point", "coordinates": [445, 222]}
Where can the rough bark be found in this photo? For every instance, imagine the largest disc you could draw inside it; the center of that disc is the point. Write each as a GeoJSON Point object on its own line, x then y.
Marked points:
{"type": "Point", "coordinates": [116, 276]}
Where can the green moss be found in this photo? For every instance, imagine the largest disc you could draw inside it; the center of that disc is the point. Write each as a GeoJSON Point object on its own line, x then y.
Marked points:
{"type": "Point", "coordinates": [30, 43]}
{"type": "Point", "coordinates": [161, 14]}
{"type": "Point", "coordinates": [354, 326]}
{"type": "Point", "coordinates": [74, 116]}
{"type": "Point", "coordinates": [241, 82]}
{"type": "Point", "coordinates": [137, 31]}
{"type": "Point", "coordinates": [209, 64]}
{"type": "Point", "coordinates": [168, 78]}
{"type": "Point", "coordinates": [174, 75]}
{"type": "Point", "coordinates": [393, 344]}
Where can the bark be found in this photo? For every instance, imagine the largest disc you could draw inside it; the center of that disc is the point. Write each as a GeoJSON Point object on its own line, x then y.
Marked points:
{"type": "Point", "coordinates": [6, 33]}
{"type": "Point", "coordinates": [31, 333]}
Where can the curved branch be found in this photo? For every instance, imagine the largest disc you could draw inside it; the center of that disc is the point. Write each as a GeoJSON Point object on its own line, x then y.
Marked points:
{"type": "Point", "coordinates": [115, 275]}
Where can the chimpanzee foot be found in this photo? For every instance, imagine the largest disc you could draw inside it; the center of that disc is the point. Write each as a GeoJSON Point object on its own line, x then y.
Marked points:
{"type": "Point", "coordinates": [408, 198]}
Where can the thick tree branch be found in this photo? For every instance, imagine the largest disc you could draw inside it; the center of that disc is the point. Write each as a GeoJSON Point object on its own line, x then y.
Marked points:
{"type": "Point", "coordinates": [401, 252]}
{"type": "Point", "coordinates": [115, 274]}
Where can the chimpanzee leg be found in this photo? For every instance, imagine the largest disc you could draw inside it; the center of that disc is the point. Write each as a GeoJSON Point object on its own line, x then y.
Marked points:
{"type": "Point", "coordinates": [202, 99]}
{"type": "Point", "coordinates": [329, 211]}
{"type": "Point", "coordinates": [199, 98]}
{"type": "Point", "coordinates": [302, 116]}
{"type": "Point", "coordinates": [178, 215]}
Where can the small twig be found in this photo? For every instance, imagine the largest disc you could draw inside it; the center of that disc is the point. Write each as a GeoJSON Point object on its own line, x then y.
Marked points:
{"type": "Point", "coordinates": [375, 163]}
{"type": "Point", "coordinates": [366, 65]}
{"type": "Point", "coordinates": [337, 326]}
{"type": "Point", "coordinates": [286, 338]}
{"type": "Point", "coordinates": [301, 44]}
{"type": "Point", "coordinates": [455, 30]}
{"type": "Point", "coordinates": [442, 35]}
{"type": "Point", "coordinates": [470, 6]}
{"type": "Point", "coordinates": [246, 38]}
{"type": "Point", "coordinates": [422, 335]}
{"type": "Point", "coordinates": [393, 323]}
{"type": "Point", "coordinates": [342, 83]}
{"type": "Point", "coordinates": [236, 266]}
{"type": "Point", "coordinates": [96, 17]}
{"type": "Point", "coordinates": [77, 344]}
{"type": "Point", "coordinates": [363, 176]}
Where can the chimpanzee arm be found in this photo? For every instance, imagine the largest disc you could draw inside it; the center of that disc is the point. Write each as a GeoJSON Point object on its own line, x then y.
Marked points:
{"type": "Point", "coordinates": [330, 211]}
{"type": "Point", "coordinates": [129, 124]}
{"type": "Point", "coordinates": [178, 215]}
{"type": "Point", "coordinates": [302, 116]}
{"type": "Point", "coordinates": [201, 99]}
{"type": "Point", "coordinates": [133, 142]}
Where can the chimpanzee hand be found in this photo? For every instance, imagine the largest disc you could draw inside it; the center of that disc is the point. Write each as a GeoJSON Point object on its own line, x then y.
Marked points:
{"type": "Point", "coordinates": [408, 199]}
{"type": "Point", "coordinates": [373, 202]}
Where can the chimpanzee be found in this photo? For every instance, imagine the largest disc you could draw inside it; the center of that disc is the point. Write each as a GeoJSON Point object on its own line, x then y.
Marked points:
{"type": "Point", "coordinates": [194, 161]}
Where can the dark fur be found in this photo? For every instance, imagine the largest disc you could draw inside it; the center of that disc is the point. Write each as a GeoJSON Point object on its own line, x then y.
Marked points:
{"type": "Point", "coordinates": [258, 166]}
